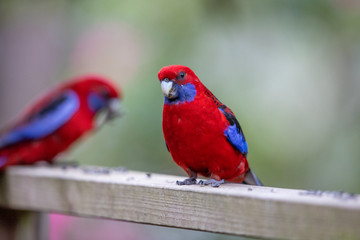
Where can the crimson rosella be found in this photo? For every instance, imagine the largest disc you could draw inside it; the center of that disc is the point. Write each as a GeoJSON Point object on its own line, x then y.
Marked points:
{"type": "Point", "coordinates": [59, 118]}
{"type": "Point", "coordinates": [202, 134]}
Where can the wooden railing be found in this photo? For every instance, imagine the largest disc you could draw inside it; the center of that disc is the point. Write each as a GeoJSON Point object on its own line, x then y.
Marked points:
{"type": "Point", "coordinates": [237, 209]}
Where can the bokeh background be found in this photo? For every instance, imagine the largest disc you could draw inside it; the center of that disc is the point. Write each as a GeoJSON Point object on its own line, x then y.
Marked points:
{"type": "Point", "coordinates": [289, 70]}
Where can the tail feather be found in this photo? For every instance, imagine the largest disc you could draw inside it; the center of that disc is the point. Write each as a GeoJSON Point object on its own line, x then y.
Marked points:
{"type": "Point", "coordinates": [252, 179]}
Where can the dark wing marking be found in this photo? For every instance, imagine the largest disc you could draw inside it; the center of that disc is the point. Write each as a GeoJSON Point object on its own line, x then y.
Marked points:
{"type": "Point", "coordinates": [45, 121]}
{"type": "Point", "coordinates": [233, 133]}
{"type": "Point", "coordinates": [230, 116]}
{"type": "Point", "coordinates": [167, 147]}
{"type": "Point", "coordinates": [50, 107]}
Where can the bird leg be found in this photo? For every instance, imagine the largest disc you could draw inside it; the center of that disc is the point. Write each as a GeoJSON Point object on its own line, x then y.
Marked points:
{"type": "Point", "coordinates": [212, 182]}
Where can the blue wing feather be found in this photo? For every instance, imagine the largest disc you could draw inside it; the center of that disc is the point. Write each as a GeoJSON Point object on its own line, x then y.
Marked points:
{"type": "Point", "coordinates": [234, 133]}
{"type": "Point", "coordinates": [44, 122]}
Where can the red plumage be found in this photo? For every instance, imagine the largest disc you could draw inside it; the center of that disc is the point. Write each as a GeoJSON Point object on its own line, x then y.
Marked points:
{"type": "Point", "coordinates": [28, 149]}
{"type": "Point", "coordinates": [194, 128]}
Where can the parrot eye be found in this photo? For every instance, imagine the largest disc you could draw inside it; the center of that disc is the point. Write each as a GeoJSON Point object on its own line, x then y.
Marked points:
{"type": "Point", "coordinates": [103, 92]}
{"type": "Point", "coordinates": [181, 76]}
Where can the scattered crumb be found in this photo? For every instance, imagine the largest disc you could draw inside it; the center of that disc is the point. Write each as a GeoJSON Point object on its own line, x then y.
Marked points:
{"type": "Point", "coordinates": [120, 169]}
{"type": "Point", "coordinates": [130, 178]}
{"type": "Point", "coordinates": [96, 170]}
{"type": "Point", "coordinates": [335, 194]}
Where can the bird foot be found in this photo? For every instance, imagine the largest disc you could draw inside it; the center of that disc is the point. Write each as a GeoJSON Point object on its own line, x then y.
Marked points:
{"type": "Point", "coordinates": [188, 181]}
{"type": "Point", "coordinates": [212, 182]}
{"type": "Point", "coordinates": [65, 164]}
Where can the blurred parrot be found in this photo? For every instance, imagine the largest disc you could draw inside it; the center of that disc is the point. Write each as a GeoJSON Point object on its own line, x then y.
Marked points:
{"type": "Point", "coordinates": [56, 120]}
{"type": "Point", "coordinates": [202, 134]}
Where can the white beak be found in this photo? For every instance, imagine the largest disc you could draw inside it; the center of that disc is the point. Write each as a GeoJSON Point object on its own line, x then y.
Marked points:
{"type": "Point", "coordinates": [166, 87]}
{"type": "Point", "coordinates": [115, 108]}
{"type": "Point", "coordinates": [112, 111]}
{"type": "Point", "coordinates": [115, 105]}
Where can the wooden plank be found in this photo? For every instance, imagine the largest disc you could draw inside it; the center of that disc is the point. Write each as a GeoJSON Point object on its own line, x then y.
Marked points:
{"type": "Point", "coordinates": [236, 209]}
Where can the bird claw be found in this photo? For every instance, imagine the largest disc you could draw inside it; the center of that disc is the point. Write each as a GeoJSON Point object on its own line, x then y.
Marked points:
{"type": "Point", "coordinates": [188, 181]}
{"type": "Point", "coordinates": [212, 182]}
{"type": "Point", "coordinates": [66, 164]}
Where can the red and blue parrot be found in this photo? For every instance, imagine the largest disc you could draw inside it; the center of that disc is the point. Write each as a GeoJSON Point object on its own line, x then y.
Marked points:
{"type": "Point", "coordinates": [202, 134]}
{"type": "Point", "coordinates": [55, 121]}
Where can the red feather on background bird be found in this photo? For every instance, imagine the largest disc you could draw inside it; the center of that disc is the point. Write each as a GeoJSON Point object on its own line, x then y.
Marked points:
{"type": "Point", "coordinates": [56, 120]}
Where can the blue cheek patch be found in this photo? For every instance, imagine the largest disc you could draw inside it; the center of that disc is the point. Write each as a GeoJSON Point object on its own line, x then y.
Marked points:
{"type": "Point", "coordinates": [96, 102]}
{"type": "Point", "coordinates": [236, 139]}
{"type": "Point", "coordinates": [45, 122]}
{"type": "Point", "coordinates": [187, 93]}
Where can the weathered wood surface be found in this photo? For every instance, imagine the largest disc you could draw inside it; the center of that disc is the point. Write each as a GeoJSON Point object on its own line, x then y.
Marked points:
{"type": "Point", "coordinates": [237, 209]}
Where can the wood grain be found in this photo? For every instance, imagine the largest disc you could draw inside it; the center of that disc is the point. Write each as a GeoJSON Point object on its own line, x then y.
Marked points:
{"type": "Point", "coordinates": [236, 209]}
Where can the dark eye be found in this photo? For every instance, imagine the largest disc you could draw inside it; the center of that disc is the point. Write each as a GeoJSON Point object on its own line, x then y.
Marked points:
{"type": "Point", "coordinates": [104, 93]}
{"type": "Point", "coordinates": [181, 75]}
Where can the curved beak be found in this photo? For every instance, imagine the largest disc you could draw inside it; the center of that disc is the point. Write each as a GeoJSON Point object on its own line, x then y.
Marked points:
{"type": "Point", "coordinates": [114, 109]}
{"type": "Point", "coordinates": [111, 111]}
{"type": "Point", "coordinates": [169, 89]}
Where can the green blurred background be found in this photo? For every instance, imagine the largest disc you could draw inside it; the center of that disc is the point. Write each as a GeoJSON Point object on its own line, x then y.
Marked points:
{"type": "Point", "coordinates": [289, 70]}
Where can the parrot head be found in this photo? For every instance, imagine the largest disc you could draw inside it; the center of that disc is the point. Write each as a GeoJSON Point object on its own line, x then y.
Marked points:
{"type": "Point", "coordinates": [177, 82]}
{"type": "Point", "coordinates": [101, 97]}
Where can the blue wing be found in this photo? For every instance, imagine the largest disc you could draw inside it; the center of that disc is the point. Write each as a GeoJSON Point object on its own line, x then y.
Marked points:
{"type": "Point", "coordinates": [45, 121]}
{"type": "Point", "coordinates": [233, 133]}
